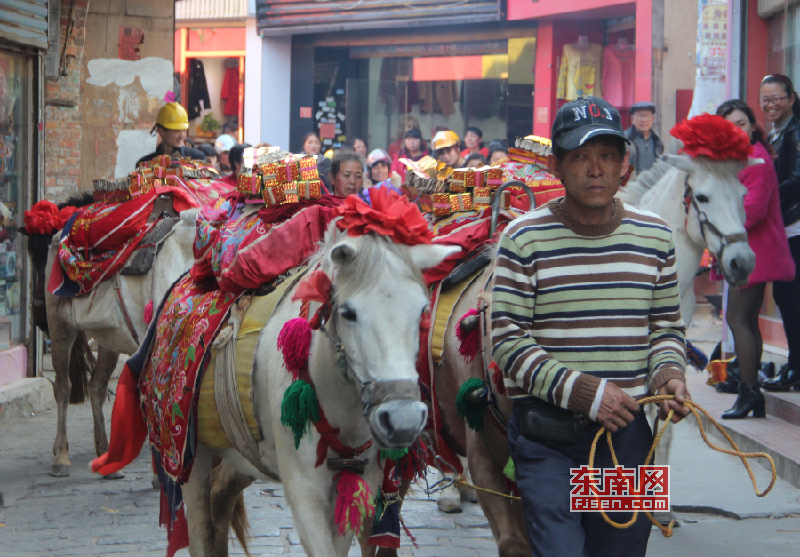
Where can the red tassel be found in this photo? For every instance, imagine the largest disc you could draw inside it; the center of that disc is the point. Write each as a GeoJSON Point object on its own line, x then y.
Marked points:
{"type": "Point", "coordinates": [497, 379]}
{"type": "Point", "coordinates": [353, 503]}
{"type": "Point", "coordinates": [294, 341]}
{"type": "Point", "coordinates": [471, 340]}
{"type": "Point", "coordinates": [148, 312]}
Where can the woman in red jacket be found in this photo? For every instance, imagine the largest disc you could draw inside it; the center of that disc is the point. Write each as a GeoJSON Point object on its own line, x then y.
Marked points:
{"type": "Point", "coordinates": [768, 241]}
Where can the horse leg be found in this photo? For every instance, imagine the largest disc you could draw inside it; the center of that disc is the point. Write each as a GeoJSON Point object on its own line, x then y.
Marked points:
{"type": "Point", "coordinates": [62, 337]}
{"type": "Point", "coordinates": [487, 454]}
{"type": "Point", "coordinates": [98, 393]}
{"type": "Point", "coordinates": [197, 496]}
{"type": "Point", "coordinates": [227, 506]}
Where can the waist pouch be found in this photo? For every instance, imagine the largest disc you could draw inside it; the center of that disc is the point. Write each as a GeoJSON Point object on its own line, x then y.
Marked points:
{"type": "Point", "coordinates": [543, 422]}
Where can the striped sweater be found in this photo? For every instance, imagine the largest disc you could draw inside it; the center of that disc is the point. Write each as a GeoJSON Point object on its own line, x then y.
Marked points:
{"type": "Point", "coordinates": [574, 306]}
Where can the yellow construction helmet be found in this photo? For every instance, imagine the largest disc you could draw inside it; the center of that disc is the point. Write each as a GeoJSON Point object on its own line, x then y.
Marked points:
{"type": "Point", "coordinates": [173, 116]}
{"type": "Point", "coordinates": [444, 139]}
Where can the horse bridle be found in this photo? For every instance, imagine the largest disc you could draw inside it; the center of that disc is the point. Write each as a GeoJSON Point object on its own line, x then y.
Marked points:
{"type": "Point", "coordinates": [706, 225]}
{"type": "Point", "coordinates": [383, 391]}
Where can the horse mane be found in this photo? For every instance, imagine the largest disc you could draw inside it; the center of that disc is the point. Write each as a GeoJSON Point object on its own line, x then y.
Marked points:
{"type": "Point", "coordinates": [372, 259]}
{"type": "Point", "coordinates": [77, 200]}
{"type": "Point", "coordinates": [634, 191]}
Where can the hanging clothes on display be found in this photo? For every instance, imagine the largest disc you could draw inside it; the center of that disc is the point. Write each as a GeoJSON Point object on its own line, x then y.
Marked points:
{"type": "Point", "coordinates": [483, 98]}
{"type": "Point", "coordinates": [198, 89]}
{"type": "Point", "coordinates": [619, 66]}
{"type": "Point", "coordinates": [230, 89]}
{"type": "Point", "coordinates": [438, 97]}
{"type": "Point", "coordinates": [395, 87]}
{"type": "Point", "coordinates": [580, 72]}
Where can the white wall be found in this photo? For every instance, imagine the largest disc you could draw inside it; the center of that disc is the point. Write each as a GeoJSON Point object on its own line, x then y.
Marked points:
{"type": "Point", "coordinates": [269, 122]}
{"type": "Point", "coordinates": [252, 84]}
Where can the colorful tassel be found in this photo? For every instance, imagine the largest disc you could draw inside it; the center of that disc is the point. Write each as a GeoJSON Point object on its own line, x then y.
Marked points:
{"type": "Point", "coordinates": [298, 407]}
{"type": "Point", "coordinates": [472, 412]}
{"type": "Point", "coordinates": [354, 503]}
{"type": "Point", "coordinates": [393, 454]}
{"type": "Point", "coordinates": [470, 340]}
{"type": "Point", "coordinates": [148, 312]}
{"type": "Point", "coordinates": [497, 379]}
{"type": "Point", "coordinates": [413, 464]}
{"type": "Point", "coordinates": [509, 471]}
{"type": "Point", "coordinates": [294, 341]}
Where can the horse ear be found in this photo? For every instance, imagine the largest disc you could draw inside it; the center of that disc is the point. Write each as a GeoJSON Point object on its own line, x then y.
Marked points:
{"type": "Point", "coordinates": [426, 256]}
{"type": "Point", "coordinates": [343, 253]}
{"type": "Point", "coordinates": [681, 162]}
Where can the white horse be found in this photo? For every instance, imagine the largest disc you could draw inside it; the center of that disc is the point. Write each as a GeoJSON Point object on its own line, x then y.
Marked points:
{"type": "Point", "coordinates": [702, 202]}
{"type": "Point", "coordinates": [363, 366]}
{"type": "Point", "coordinates": [174, 259]}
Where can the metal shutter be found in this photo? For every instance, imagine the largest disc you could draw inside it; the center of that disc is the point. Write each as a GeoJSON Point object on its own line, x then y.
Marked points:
{"type": "Point", "coordinates": [24, 22]}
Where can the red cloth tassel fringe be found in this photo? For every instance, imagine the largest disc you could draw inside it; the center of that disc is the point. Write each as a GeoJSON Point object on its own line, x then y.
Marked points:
{"type": "Point", "coordinates": [294, 341]}
{"type": "Point", "coordinates": [470, 340]}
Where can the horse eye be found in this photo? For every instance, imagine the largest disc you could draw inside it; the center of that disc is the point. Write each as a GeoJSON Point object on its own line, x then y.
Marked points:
{"type": "Point", "coordinates": [348, 313]}
{"type": "Point", "coordinates": [702, 199]}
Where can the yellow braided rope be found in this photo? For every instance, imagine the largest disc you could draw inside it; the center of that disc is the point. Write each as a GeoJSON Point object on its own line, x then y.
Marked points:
{"type": "Point", "coordinates": [694, 407]}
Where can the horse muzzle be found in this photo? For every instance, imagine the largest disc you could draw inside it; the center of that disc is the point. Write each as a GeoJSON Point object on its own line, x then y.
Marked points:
{"type": "Point", "coordinates": [737, 262]}
{"type": "Point", "coordinates": [394, 411]}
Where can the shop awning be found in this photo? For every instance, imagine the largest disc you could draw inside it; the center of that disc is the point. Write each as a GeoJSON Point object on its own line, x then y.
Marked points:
{"type": "Point", "coordinates": [290, 17]}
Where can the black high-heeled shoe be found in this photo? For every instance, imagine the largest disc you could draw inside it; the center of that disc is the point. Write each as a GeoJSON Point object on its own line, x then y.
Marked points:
{"type": "Point", "coordinates": [750, 398]}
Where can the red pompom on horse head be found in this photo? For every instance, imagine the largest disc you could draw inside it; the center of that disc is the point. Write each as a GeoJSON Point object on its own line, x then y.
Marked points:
{"type": "Point", "coordinates": [713, 137]}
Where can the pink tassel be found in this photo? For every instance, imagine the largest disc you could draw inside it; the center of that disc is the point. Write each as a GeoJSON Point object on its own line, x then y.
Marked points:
{"type": "Point", "coordinates": [353, 504]}
{"type": "Point", "coordinates": [148, 312]}
{"type": "Point", "coordinates": [294, 341]}
{"type": "Point", "coordinates": [471, 340]}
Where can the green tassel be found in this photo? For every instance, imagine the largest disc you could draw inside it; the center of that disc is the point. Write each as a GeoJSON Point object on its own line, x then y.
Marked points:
{"type": "Point", "coordinates": [379, 506]}
{"type": "Point", "coordinates": [393, 454]}
{"type": "Point", "coordinates": [298, 407]}
{"type": "Point", "coordinates": [470, 411]}
{"type": "Point", "coordinates": [509, 471]}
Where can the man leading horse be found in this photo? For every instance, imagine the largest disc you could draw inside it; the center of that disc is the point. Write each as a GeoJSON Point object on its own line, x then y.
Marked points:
{"type": "Point", "coordinates": [585, 321]}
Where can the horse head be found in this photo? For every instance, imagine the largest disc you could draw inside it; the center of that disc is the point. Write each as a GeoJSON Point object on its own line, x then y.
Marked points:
{"type": "Point", "coordinates": [715, 212]}
{"type": "Point", "coordinates": [379, 300]}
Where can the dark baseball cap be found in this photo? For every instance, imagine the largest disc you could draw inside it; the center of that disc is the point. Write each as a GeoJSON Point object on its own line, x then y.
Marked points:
{"type": "Point", "coordinates": [580, 120]}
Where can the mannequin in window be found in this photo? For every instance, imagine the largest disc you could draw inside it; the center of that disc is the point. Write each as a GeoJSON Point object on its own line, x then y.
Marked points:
{"type": "Point", "coordinates": [581, 70]}
{"type": "Point", "coordinates": [622, 43]}
{"type": "Point", "coordinates": [583, 43]}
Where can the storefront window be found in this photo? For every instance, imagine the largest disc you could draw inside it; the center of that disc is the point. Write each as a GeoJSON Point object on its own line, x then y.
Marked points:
{"type": "Point", "coordinates": [15, 178]}
{"type": "Point", "coordinates": [376, 93]}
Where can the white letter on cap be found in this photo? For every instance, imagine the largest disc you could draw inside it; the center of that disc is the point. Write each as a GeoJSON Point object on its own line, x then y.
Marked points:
{"type": "Point", "coordinates": [579, 113]}
{"type": "Point", "coordinates": [608, 114]}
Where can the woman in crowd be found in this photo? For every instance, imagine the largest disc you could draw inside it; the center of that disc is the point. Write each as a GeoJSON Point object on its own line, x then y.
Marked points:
{"type": "Point", "coordinates": [313, 146]}
{"type": "Point", "coordinates": [473, 139]}
{"type": "Point", "coordinates": [346, 174]}
{"type": "Point", "coordinates": [768, 241]}
{"type": "Point", "coordinates": [361, 147]}
{"type": "Point", "coordinates": [475, 160]}
{"type": "Point", "coordinates": [413, 149]}
{"type": "Point", "coordinates": [403, 125]}
{"type": "Point", "coordinates": [782, 109]}
{"type": "Point", "coordinates": [497, 152]}
{"type": "Point", "coordinates": [380, 166]}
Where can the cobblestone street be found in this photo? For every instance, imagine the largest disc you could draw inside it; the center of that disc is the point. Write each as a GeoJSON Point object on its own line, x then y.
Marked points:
{"type": "Point", "coordinates": [88, 516]}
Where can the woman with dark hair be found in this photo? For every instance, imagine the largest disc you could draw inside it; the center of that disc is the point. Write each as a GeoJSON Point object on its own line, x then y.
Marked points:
{"type": "Point", "coordinates": [413, 149]}
{"type": "Point", "coordinates": [347, 174]}
{"type": "Point", "coordinates": [473, 139]}
{"type": "Point", "coordinates": [475, 160]}
{"type": "Point", "coordinates": [311, 144]}
{"type": "Point", "coordinates": [497, 152]}
{"type": "Point", "coordinates": [782, 108]}
{"type": "Point", "coordinates": [767, 239]}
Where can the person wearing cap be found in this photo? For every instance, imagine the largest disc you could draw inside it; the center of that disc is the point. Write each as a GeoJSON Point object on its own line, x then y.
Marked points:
{"type": "Point", "coordinates": [172, 121]}
{"type": "Point", "coordinates": [235, 160]}
{"type": "Point", "coordinates": [645, 145]}
{"type": "Point", "coordinates": [447, 148]}
{"type": "Point", "coordinates": [380, 168]}
{"type": "Point", "coordinates": [585, 321]}
{"type": "Point", "coordinates": [222, 146]}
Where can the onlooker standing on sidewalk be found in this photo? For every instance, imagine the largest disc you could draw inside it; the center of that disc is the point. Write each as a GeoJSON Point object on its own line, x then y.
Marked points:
{"type": "Point", "coordinates": [645, 146]}
{"type": "Point", "coordinates": [585, 319]}
{"type": "Point", "coordinates": [782, 109]}
{"type": "Point", "coordinates": [413, 149]}
{"type": "Point", "coordinates": [473, 139]}
{"type": "Point", "coordinates": [767, 239]}
{"type": "Point", "coordinates": [446, 146]}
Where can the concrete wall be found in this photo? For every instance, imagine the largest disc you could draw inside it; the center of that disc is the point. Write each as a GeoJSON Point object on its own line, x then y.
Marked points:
{"type": "Point", "coordinates": [678, 61]}
{"type": "Point", "coordinates": [116, 100]}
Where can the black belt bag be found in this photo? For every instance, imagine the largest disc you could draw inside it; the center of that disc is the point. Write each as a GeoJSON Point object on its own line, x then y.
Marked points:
{"type": "Point", "coordinates": [543, 422]}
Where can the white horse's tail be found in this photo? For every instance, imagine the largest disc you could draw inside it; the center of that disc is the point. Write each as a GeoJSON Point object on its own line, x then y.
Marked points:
{"type": "Point", "coordinates": [634, 191]}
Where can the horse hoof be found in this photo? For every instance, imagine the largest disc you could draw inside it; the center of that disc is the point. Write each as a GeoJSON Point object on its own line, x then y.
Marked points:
{"type": "Point", "coordinates": [60, 470]}
{"type": "Point", "coordinates": [449, 505]}
{"type": "Point", "coordinates": [114, 476]}
{"type": "Point", "coordinates": [469, 495]}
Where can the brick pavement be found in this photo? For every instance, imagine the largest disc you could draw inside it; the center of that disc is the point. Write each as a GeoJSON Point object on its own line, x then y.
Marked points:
{"type": "Point", "coordinates": [88, 516]}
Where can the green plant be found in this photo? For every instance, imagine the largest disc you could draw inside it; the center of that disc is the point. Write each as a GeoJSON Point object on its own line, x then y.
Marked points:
{"type": "Point", "coordinates": [209, 123]}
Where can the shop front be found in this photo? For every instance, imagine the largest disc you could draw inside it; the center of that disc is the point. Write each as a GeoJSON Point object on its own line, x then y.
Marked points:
{"type": "Point", "coordinates": [23, 37]}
